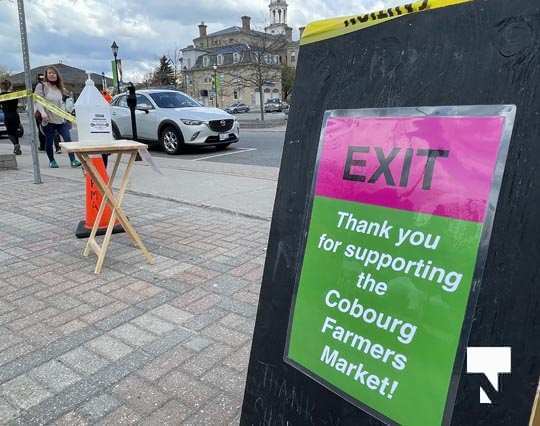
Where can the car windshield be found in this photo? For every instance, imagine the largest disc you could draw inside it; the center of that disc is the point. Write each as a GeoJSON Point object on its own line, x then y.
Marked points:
{"type": "Point", "coordinates": [173, 100]}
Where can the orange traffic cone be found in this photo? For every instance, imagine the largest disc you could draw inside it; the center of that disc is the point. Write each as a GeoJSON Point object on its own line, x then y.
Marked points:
{"type": "Point", "coordinates": [93, 202]}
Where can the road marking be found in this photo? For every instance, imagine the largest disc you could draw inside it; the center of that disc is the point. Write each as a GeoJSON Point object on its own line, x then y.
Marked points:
{"type": "Point", "coordinates": [237, 151]}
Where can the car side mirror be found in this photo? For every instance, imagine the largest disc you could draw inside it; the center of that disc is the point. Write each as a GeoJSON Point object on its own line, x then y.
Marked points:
{"type": "Point", "coordinates": [144, 107]}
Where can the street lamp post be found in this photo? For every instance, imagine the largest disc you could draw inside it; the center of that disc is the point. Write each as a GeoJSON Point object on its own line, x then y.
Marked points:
{"type": "Point", "coordinates": [28, 84]}
{"type": "Point", "coordinates": [215, 86]}
{"type": "Point", "coordinates": [114, 48]}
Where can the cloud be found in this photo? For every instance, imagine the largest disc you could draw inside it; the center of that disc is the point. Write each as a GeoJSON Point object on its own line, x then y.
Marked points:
{"type": "Point", "coordinates": [80, 32]}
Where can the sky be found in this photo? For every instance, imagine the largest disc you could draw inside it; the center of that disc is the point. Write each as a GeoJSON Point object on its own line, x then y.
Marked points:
{"type": "Point", "coordinates": [80, 32]}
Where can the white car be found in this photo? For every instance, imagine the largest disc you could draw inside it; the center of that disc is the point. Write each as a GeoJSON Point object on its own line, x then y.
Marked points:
{"type": "Point", "coordinates": [174, 120]}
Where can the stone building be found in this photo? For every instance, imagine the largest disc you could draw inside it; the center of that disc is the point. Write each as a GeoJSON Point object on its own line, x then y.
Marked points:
{"type": "Point", "coordinates": [230, 56]}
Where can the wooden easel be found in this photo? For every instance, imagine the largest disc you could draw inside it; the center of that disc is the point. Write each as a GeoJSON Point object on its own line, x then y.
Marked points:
{"type": "Point", "coordinates": [120, 147]}
{"type": "Point", "coordinates": [535, 415]}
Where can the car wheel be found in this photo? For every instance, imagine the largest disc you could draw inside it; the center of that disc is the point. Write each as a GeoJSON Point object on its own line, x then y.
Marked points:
{"type": "Point", "coordinates": [222, 147]}
{"type": "Point", "coordinates": [171, 140]}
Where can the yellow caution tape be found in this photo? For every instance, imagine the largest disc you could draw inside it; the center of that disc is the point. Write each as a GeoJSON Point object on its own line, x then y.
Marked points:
{"type": "Point", "coordinates": [54, 109]}
{"type": "Point", "coordinates": [46, 104]}
{"type": "Point", "coordinates": [335, 27]}
{"type": "Point", "coordinates": [14, 95]}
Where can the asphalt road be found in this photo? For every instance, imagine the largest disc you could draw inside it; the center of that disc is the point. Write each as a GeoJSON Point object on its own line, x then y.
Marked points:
{"type": "Point", "coordinates": [256, 147]}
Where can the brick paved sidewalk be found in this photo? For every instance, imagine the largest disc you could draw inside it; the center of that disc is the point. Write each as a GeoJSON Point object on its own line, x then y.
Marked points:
{"type": "Point", "coordinates": [138, 344]}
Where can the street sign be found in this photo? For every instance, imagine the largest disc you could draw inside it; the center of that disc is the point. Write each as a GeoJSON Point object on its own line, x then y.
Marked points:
{"type": "Point", "coordinates": [393, 259]}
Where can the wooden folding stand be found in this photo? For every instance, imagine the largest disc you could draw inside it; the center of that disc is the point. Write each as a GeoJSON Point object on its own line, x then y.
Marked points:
{"type": "Point", "coordinates": [120, 147]}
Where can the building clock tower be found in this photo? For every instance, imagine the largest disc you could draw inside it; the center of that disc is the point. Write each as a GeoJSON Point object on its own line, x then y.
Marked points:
{"type": "Point", "coordinates": [278, 17]}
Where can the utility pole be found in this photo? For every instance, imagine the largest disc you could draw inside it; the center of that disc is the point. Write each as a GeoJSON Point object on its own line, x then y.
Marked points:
{"type": "Point", "coordinates": [215, 87]}
{"type": "Point", "coordinates": [29, 99]}
{"type": "Point", "coordinates": [114, 49]}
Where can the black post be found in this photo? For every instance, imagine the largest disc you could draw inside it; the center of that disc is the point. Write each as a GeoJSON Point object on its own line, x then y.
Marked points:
{"type": "Point", "coordinates": [117, 73]}
{"type": "Point", "coordinates": [132, 104]}
{"type": "Point", "coordinates": [215, 87]}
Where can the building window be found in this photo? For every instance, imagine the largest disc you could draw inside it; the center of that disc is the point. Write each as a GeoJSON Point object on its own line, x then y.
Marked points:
{"type": "Point", "coordinates": [206, 61]}
{"type": "Point", "coordinates": [236, 94]}
{"type": "Point", "coordinates": [236, 57]}
{"type": "Point", "coordinates": [293, 58]}
{"type": "Point", "coordinates": [220, 59]}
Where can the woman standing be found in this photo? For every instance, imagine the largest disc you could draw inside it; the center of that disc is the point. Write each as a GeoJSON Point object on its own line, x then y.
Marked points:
{"type": "Point", "coordinates": [11, 117]}
{"type": "Point", "coordinates": [52, 89]}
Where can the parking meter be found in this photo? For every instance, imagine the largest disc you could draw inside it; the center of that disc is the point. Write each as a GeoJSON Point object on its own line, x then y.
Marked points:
{"type": "Point", "coordinates": [132, 105]}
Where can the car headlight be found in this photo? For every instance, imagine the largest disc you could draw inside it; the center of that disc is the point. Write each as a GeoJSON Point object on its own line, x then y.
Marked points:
{"type": "Point", "coordinates": [192, 122]}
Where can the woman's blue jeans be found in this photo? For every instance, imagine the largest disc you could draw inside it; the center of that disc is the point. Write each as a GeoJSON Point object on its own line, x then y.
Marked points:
{"type": "Point", "coordinates": [50, 131]}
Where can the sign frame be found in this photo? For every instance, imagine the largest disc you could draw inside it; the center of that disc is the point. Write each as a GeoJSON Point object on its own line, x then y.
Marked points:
{"type": "Point", "coordinates": [508, 112]}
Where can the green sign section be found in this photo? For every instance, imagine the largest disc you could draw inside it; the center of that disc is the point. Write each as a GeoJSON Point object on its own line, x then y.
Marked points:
{"type": "Point", "coordinates": [381, 303]}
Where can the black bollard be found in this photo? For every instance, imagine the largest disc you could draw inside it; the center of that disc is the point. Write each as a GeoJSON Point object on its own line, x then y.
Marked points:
{"type": "Point", "coordinates": [132, 104]}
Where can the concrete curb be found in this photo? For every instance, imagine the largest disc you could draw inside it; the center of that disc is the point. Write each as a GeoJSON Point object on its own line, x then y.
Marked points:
{"type": "Point", "coordinates": [200, 205]}
{"type": "Point", "coordinates": [257, 124]}
{"type": "Point", "coordinates": [174, 200]}
{"type": "Point", "coordinates": [8, 162]}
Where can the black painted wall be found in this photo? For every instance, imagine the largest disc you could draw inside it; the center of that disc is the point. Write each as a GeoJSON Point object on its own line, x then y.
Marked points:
{"type": "Point", "coordinates": [486, 52]}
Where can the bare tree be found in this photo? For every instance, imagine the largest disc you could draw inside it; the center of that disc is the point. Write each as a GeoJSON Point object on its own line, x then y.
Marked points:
{"type": "Point", "coordinates": [176, 61]}
{"type": "Point", "coordinates": [4, 73]}
{"type": "Point", "coordinates": [260, 65]}
{"type": "Point", "coordinates": [147, 81]}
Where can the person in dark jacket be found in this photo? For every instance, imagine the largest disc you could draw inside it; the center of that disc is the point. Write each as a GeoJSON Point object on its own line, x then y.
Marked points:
{"type": "Point", "coordinates": [11, 117]}
{"type": "Point", "coordinates": [41, 134]}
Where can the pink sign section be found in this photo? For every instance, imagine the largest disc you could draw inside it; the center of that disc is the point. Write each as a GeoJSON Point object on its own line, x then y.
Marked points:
{"type": "Point", "coordinates": [437, 165]}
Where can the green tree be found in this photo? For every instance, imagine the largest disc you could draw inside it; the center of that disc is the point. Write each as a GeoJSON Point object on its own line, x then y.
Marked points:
{"type": "Point", "coordinates": [288, 75]}
{"type": "Point", "coordinates": [164, 74]}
